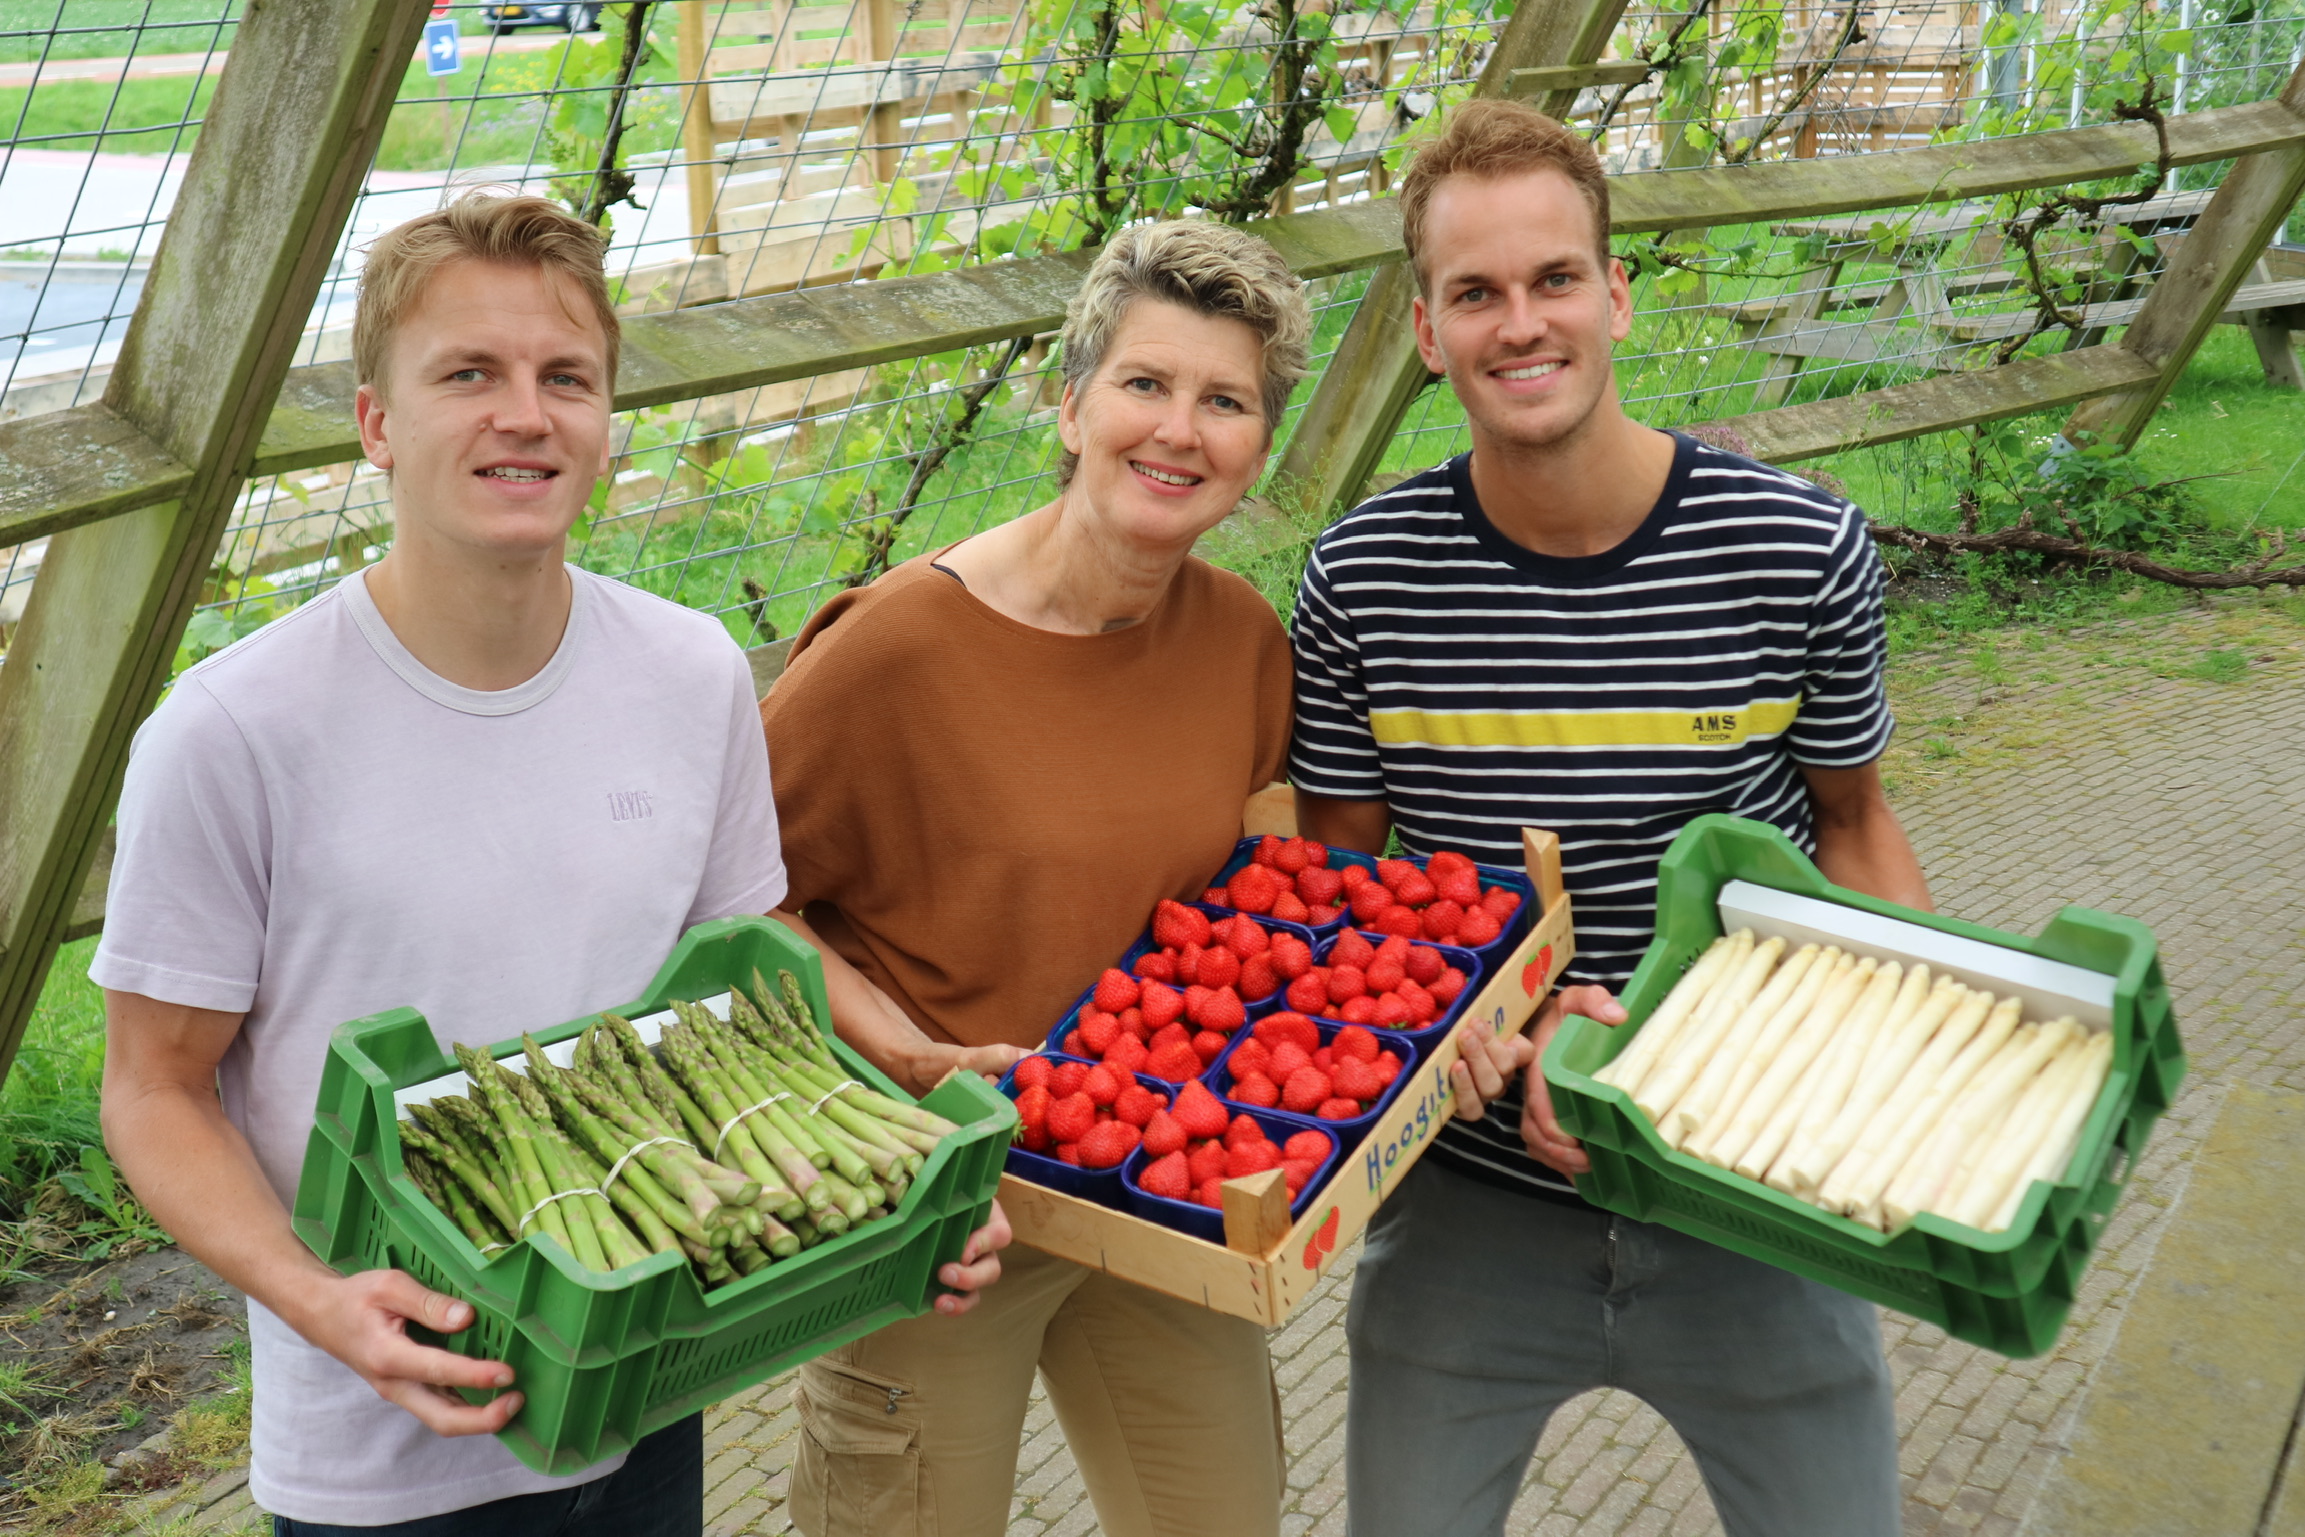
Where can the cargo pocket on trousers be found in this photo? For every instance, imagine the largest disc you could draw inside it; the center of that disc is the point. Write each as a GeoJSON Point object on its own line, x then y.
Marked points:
{"type": "Point", "coordinates": [858, 1469]}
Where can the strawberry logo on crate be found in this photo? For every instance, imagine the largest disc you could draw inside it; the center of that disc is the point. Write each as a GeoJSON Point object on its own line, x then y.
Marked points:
{"type": "Point", "coordinates": [1323, 1242]}
{"type": "Point", "coordinates": [1533, 975]}
{"type": "Point", "coordinates": [1396, 985]}
{"type": "Point", "coordinates": [1283, 1065]}
{"type": "Point", "coordinates": [1091, 1117]}
{"type": "Point", "coordinates": [1197, 1147]}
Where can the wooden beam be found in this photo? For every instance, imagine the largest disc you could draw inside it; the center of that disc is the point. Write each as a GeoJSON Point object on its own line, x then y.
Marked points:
{"type": "Point", "coordinates": [1932, 405]}
{"type": "Point", "coordinates": [1376, 371]}
{"type": "Point", "coordinates": [297, 115]}
{"type": "Point", "coordinates": [2202, 276]}
{"type": "Point", "coordinates": [1546, 79]}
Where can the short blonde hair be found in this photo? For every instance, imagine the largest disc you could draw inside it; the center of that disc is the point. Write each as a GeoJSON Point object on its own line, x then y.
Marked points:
{"type": "Point", "coordinates": [479, 226]}
{"type": "Point", "coordinates": [1209, 269]}
{"type": "Point", "coordinates": [1489, 138]}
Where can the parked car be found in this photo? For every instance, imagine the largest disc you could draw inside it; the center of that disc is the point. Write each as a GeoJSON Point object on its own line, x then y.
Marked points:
{"type": "Point", "coordinates": [575, 18]}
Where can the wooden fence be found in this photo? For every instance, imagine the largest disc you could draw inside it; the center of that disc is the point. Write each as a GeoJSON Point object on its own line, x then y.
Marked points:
{"type": "Point", "coordinates": [134, 490]}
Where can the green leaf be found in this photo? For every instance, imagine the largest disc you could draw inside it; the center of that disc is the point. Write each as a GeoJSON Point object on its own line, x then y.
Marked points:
{"type": "Point", "coordinates": [1340, 123]}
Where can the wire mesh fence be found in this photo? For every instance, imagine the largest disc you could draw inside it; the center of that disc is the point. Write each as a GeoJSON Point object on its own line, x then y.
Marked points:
{"type": "Point", "coordinates": [739, 147]}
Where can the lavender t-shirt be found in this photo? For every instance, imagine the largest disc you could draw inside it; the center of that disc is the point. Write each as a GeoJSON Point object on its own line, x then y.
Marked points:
{"type": "Point", "coordinates": [315, 827]}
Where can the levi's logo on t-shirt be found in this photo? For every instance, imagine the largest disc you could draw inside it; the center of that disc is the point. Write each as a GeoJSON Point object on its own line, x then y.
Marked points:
{"type": "Point", "coordinates": [629, 805]}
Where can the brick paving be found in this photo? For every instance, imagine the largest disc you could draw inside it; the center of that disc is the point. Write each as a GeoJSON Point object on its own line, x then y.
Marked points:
{"type": "Point", "coordinates": [2149, 768]}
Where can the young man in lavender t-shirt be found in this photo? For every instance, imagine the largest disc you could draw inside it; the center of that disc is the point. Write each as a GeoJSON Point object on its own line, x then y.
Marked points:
{"type": "Point", "coordinates": [471, 779]}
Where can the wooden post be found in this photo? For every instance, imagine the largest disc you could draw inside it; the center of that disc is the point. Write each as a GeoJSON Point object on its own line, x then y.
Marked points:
{"type": "Point", "coordinates": [1376, 372]}
{"type": "Point", "coordinates": [2223, 245]}
{"type": "Point", "coordinates": [697, 140]}
{"type": "Point", "coordinates": [293, 125]}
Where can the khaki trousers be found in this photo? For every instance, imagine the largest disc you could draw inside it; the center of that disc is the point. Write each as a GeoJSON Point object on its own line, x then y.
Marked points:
{"type": "Point", "coordinates": [1170, 1410]}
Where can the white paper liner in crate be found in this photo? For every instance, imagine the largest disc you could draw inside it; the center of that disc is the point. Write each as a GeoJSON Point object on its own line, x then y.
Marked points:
{"type": "Point", "coordinates": [559, 1054]}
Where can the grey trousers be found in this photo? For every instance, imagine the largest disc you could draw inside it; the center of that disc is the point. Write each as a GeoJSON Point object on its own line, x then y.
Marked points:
{"type": "Point", "coordinates": [1477, 1312]}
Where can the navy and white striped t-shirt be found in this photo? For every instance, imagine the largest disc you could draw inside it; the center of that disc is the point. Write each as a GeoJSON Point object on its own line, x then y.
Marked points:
{"type": "Point", "coordinates": [1480, 687]}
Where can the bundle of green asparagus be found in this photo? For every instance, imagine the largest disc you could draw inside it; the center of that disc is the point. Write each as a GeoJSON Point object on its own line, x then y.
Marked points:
{"type": "Point", "coordinates": [1861, 1086]}
{"type": "Point", "coordinates": [736, 1144]}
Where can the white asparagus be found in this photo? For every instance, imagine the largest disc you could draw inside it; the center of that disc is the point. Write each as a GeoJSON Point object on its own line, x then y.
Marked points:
{"type": "Point", "coordinates": [1819, 1101]}
{"type": "Point", "coordinates": [2006, 1149]}
{"type": "Point", "coordinates": [1830, 966]}
{"type": "Point", "coordinates": [1898, 1111]}
{"type": "Point", "coordinates": [1889, 1160]}
{"type": "Point", "coordinates": [1899, 1040]}
{"type": "Point", "coordinates": [1687, 995]}
{"type": "Point", "coordinates": [1784, 1073]}
{"type": "Point", "coordinates": [1673, 1078]}
{"type": "Point", "coordinates": [2056, 1148]}
{"type": "Point", "coordinates": [1916, 1189]}
{"type": "Point", "coordinates": [1735, 1044]}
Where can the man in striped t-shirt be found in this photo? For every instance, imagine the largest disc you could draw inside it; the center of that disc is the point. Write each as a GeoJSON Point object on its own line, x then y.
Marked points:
{"type": "Point", "coordinates": [1586, 625]}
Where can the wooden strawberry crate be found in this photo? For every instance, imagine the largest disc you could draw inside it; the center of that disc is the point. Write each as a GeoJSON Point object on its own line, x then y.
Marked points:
{"type": "Point", "coordinates": [1267, 1264]}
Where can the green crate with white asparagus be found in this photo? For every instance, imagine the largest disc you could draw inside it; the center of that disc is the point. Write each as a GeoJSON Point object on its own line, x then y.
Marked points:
{"type": "Point", "coordinates": [656, 1206]}
{"type": "Point", "coordinates": [1928, 1113]}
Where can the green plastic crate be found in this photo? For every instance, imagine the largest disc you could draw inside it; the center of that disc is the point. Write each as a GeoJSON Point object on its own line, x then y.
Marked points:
{"type": "Point", "coordinates": [2008, 1291]}
{"type": "Point", "coordinates": [606, 1359]}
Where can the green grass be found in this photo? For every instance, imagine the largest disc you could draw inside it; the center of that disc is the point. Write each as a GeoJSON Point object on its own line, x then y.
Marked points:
{"type": "Point", "coordinates": [113, 27]}
{"type": "Point", "coordinates": [48, 1107]}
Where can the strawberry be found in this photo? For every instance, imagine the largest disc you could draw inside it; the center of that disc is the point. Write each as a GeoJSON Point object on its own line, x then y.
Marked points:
{"type": "Point", "coordinates": [1215, 896]}
{"type": "Point", "coordinates": [1163, 1135]}
{"type": "Point", "coordinates": [1400, 921]}
{"type": "Point", "coordinates": [1392, 1012]}
{"type": "Point", "coordinates": [1161, 1004]}
{"type": "Point", "coordinates": [1068, 1152]}
{"type": "Point", "coordinates": [1212, 1193]}
{"type": "Point", "coordinates": [1352, 949]}
{"type": "Point", "coordinates": [1128, 1054]}
{"type": "Point", "coordinates": [1156, 966]}
{"type": "Point", "coordinates": [1248, 938]}
{"type": "Point", "coordinates": [1445, 861]}
{"type": "Point", "coordinates": [1195, 996]}
{"type": "Point", "coordinates": [1441, 919]}
{"type": "Point", "coordinates": [1288, 1026]}
{"type": "Point", "coordinates": [1032, 1140]}
{"type": "Point", "coordinates": [1415, 890]}
{"type": "Point", "coordinates": [1477, 927]}
{"type": "Point", "coordinates": [1447, 985]}
{"type": "Point", "coordinates": [1307, 1147]}
{"type": "Point", "coordinates": [1268, 850]}
{"type": "Point", "coordinates": [1176, 925]}
{"type": "Point", "coordinates": [1243, 1128]}
{"type": "Point", "coordinates": [1115, 991]}
{"type": "Point", "coordinates": [1136, 1105]}
{"type": "Point", "coordinates": [1033, 1072]}
{"type": "Point", "coordinates": [1107, 1145]}
{"type": "Point", "coordinates": [1070, 1118]}
{"type": "Point", "coordinates": [1354, 876]}
{"type": "Point", "coordinates": [1251, 1158]}
{"type": "Point", "coordinates": [1424, 963]}
{"type": "Point", "coordinates": [1501, 901]}
{"type": "Point", "coordinates": [1370, 900]}
{"type": "Point", "coordinates": [1207, 1162]}
{"type": "Point", "coordinates": [1310, 992]}
{"type": "Point", "coordinates": [1258, 980]}
{"type": "Point", "coordinates": [1102, 1086]}
{"type": "Point", "coordinates": [1305, 1089]}
{"type": "Point", "coordinates": [1289, 908]}
{"type": "Point", "coordinates": [1423, 1009]}
{"type": "Point", "coordinates": [1251, 1058]}
{"type": "Point", "coordinates": [1388, 1066]}
{"type": "Point", "coordinates": [1346, 982]}
{"type": "Point", "coordinates": [1132, 1023]}
{"type": "Point", "coordinates": [1319, 914]}
{"type": "Point", "coordinates": [1358, 1011]}
{"type": "Point", "coordinates": [1336, 1110]}
{"type": "Point", "coordinates": [1462, 887]}
{"type": "Point", "coordinates": [1168, 1176]}
{"type": "Point", "coordinates": [1291, 957]}
{"type": "Point", "coordinates": [1074, 1044]}
{"type": "Point", "coordinates": [1253, 889]}
{"type": "Point", "coordinates": [1198, 1111]}
{"type": "Point", "coordinates": [1175, 1062]}
{"type": "Point", "coordinates": [1172, 1033]}
{"type": "Point", "coordinates": [1385, 975]}
{"type": "Point", "coordinates": [1357, 1080]}
{"type": "Point", "coordinates": [1391, 872]}
{"type": "Point", "coordinates": [1189, 964]}
{"type": "Point", "coordinates": [1288, 1057]}
{"type": "Point", "coordinates": [1316, 855]}
{"type": "Point", "coordinates": [1323, 1057]}
{"type": "Point", "coordinates": [1353, 1041]}
{"type": "Point", "coordinates": [1066, 1080]}
{"type": "Point", "coordinates": [1098, 1031]}
{"type": "Point", "coordinates": [1254, 1088]}
{"type": "Point", "coordinates": [1208, 1046]}
{"type": "Point", "coordinates": [1218, 968]}
{"type": "Point", "coordinates": [1032, 1106]}
{"type": "Point", "coordinates": [1298, 1173]}
{"type": "Point", "coordinates": [1291, 858]}
{"type": "Point", "coordinates": [1223, 1012]}
{"type": "Point", "coordinates": [1320, 888]}
{"type": "Point", "coordinates": [1395, 948]}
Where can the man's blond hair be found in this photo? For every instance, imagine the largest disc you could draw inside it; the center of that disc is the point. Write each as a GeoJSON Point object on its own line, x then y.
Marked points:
{"type": "Point", "coordinates": [485, 227]}
{"type": "Point", "coordinates": [1487, 139]}
{"type": "Point", "coordinates": [1209, 269]}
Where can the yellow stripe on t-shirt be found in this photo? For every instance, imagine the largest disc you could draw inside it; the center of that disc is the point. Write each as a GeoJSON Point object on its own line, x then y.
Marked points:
{"type": "Point", "coordinates": [1584, 728]}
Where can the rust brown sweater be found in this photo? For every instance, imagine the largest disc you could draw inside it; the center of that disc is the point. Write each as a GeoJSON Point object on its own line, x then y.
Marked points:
{"type": "Point", "coordinates": [980, 815]}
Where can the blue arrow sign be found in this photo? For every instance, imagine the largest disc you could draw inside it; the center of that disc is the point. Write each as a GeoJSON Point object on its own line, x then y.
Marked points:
{"type": "Point", "coordinates": [441, 56]}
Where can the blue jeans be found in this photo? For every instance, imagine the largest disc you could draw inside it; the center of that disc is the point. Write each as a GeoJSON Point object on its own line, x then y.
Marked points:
{"type": "Point", "coordinates": [659, 1492]}
{"type": "Point", "coordinates": [1477, 1312]}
